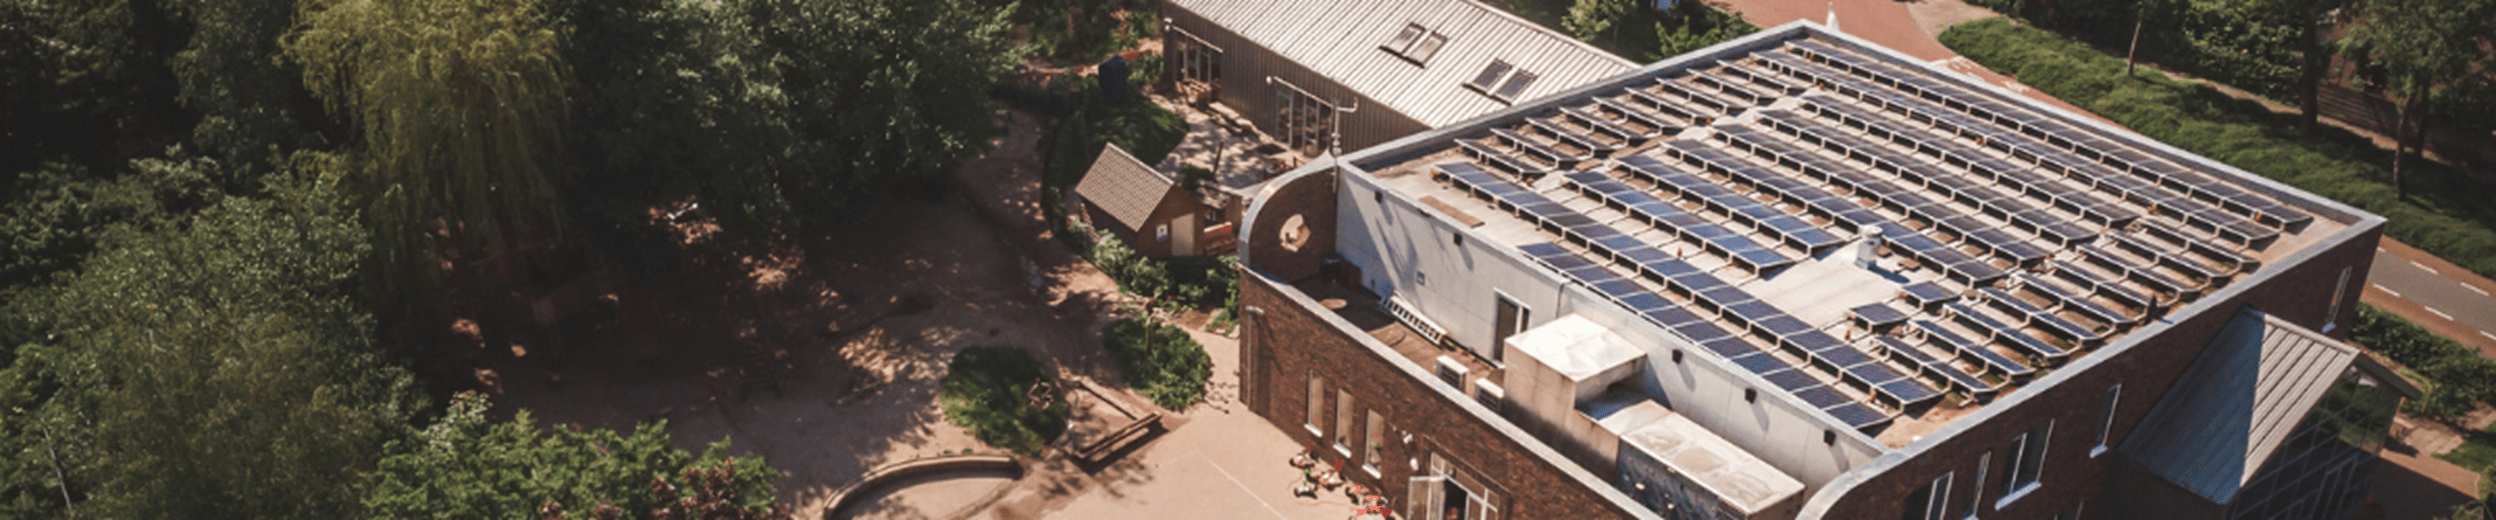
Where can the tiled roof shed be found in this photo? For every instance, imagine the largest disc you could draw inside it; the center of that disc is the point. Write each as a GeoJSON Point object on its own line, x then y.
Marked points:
{"type": "Point", "coordinates": [1123, 187]}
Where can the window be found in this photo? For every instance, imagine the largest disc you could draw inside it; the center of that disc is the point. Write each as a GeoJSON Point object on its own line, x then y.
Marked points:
{"type": "Point", "coordinates": [1343, 422]}
{"type": "Point", "coordinates": [1404, 39]}
{"type": "Point", "coordinates": [1931, 502]}
{"type": "Point", "coordinates": [1516, 85]}
{"type": "Point", "coordinates": [1976, 495]}
{"type": "Point", "coordinates": [1508, 320]}
{"type": "Point", "coordinates": [2027, 460]}
{"type": "Point", "coordinates": [1161, 233]}
{"type": "Point", "coordinates": [2340, 290]}
{"type": "Point", "coordinates": [2114, 394]}
{"type": "Point", "coordinates": [1317, 402]}
{"type": "Point", "coordinates": [1303, 121]}
{"type": "Point", "coordinates": [1194, 59]}
{"type": "Point", "coordinates": [1369, 451]}
{"type": "Point", "coordinates": [1490, 75]}
{"type": "Point", "coordinates": [2072, 514]}
{"type": "Point", "coordinates": [1428, 47]}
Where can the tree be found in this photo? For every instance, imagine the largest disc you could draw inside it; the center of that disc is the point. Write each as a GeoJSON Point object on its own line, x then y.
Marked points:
{"type": "Point", "coordinates": [883, 92]}
{"type": "Point", "coordinates": [2426, 48]}
{"type": "Point", "coordinates": [251, 103]}
{"type": "Point", "coordinates": [458, 110]}
{"type": "Point", "coordinates": [2315, 48]}
{"type": "Point", "coordinates": [1589, 18]}
{"type": "Point", "coordinates": [466, 466]}
{"type": "Point", "coordinates": [211, 369]}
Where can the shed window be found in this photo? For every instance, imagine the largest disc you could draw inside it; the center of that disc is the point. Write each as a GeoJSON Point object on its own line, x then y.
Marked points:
{"type": "Point", "coordinates": [1404, 39]}
{"type": "Point", "coordinates": [1516, 85]}
{"type": "Point", "coordinates": [1428, 47]}
{"type": "Point", "coordinates": [1490, 75]}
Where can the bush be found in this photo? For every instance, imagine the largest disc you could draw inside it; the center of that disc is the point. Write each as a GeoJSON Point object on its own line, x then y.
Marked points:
{"type": "Point", "coordinates": [1159, 361]}
{"type": "Point", "coordinates": [1004, 397]}
{"type": "Point", "coordinates": [2446, 214]}
{"type": "Point", "coordinates": [2460, 377]}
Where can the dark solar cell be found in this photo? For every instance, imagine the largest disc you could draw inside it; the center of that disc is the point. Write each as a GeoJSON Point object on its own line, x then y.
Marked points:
{"type": "Point", "coordinates": [1858, 415]}
{"type": "Point", "coordinates": [1570, 136]}
{"type": "Point", "coordinates": [1822, 396]}
{"type": "Point", "coordinates": [1670, 316]}
{"type": "Point", "coordinates": [2040, 317]}
{"type": "Point", "coordinates": [2008, 334]}
{"type": "Point", "coordinates": [1791, 379]}
{"type": "Point", "coordinates": [1907, 392]}
{"type": "Point", "coordinates": [1619, 288]}
{"type": "Point", "coordinates": [1814, 341]}
{"type": "Point", "coordinates": [1722, 297]}
{"type": "Point", "coordinates": [1842, 358]}
{"type": "Point", "coordinates": [1877, 315]}
{"type": "Point", "coordinates": [1638, 116]}
{"type": "Point", "coordinates": [1751, 312]}
{"type": "Point", "coordinates": [1598, 122]}
{"type": "Point", "coordinates": [1645, 302]}
{"type": "Point", "coordinates": [1725, 345]}
{"type": "Point", "coordinates": [1702, 332]}
{"type": "Point", "coordinates": [1992, 361]}
{"type": "Point", "coordinates": [1761, 363]}
{"type": "Point", "coordinates": [1900, 349]}
{"type": "Point", "coordinates": [1781, 325]}
{"type": "Point", "coordinates": [2075, 302]}
{"type": "Point", "coordinates": [2102, 286]}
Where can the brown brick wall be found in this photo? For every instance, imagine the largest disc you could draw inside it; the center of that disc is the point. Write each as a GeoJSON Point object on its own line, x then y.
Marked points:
{"type": "Point", "coordinates": [2071, 476]}
{"type": "Point", "coordinates": [1311, 197]}
{"type": "Point", "coordinates": [1292, 342]}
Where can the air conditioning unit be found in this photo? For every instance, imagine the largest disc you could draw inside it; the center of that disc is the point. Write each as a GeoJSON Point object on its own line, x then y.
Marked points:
{"type": "Point", "coordinates": [1491, 395]}
{"type": "Point", "coordinates": [1453, 372]}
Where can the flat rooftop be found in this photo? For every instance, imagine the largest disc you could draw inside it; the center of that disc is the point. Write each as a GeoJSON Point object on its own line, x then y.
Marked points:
{"type": "Point", "coordinates": [1730, 199]}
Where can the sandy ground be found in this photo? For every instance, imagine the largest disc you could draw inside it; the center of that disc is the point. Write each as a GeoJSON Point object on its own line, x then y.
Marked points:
{"type": "Point", "coordinates": [879, 308]}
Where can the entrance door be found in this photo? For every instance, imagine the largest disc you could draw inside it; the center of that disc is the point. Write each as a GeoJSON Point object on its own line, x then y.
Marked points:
{"type": "Point", "coordinates": [1507, 320]}
{"type": "Point", "coordinates": [1183, 235]}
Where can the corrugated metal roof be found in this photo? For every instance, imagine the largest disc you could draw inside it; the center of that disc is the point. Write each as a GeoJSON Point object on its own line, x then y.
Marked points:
{"type": "Point", "coordinates": [1343, 40]}
{"type": "Point", "coordinates": [1123, 186]}
{"type": "Point", "coordinates": [2236, 403]}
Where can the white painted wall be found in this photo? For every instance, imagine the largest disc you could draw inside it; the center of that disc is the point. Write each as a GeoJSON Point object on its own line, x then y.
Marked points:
{"type": "Point", "coordinates": [1398, 243]}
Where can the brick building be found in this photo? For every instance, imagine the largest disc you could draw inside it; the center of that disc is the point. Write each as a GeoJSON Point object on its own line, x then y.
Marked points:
{"type": "Point", "coordinates": [1797, 275]}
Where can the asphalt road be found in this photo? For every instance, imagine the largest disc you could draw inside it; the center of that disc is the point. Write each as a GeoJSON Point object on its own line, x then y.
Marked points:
{"type": "Point", "coordinates": [2435, 294]}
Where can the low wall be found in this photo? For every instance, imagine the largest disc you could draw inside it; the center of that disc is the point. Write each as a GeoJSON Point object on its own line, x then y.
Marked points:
{"type": "Point", "coordinates": [880, 477]}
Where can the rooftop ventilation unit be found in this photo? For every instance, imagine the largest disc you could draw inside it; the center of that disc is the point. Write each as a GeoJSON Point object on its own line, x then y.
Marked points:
{"type": "Point", "coordinates": [1453, 372]}
{"type": "Point", "coordinates": [1490, 395]}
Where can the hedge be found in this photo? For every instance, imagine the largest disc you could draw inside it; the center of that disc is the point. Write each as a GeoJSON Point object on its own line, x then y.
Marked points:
{"type": "Point", "coordinates": [2459, 375]}
{"type": "Point", "coordinates": [989, 390]}
{"type": "Point", "coordinates": [1160, 361]}
{"type": "Point", "coordinates": [2446, 214]}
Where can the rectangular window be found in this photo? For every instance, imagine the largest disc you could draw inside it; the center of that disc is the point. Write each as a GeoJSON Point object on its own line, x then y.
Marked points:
{"type": "Point", "coordinates": [1374, 432]}
{"type": "Point", "coordinates": [1343, 422]}
{"type": "Point", "coordinates": [1428, 47]}
{"type": "Point", "coordinates": [1931, 502]}
{"type": "Point", "coordinates": [1976, 494]}
{"type": "Point", "coordinates": [1508, 320]}
{"type": "Point", "coordinates": [2027, 461]}
{"type": "Point", "coordinates": [1317, 402]}
{"type": "Point", "coordinates": [1490, 75]}
{"type": "Point", "coordinates": [1516, 85]}
{"type": "Point", "coordinates": [2340, 290]}
{"type": "Point", "coordinates": [1404, 39]}
{"type": "Point", "coordinates": [2114, 395]}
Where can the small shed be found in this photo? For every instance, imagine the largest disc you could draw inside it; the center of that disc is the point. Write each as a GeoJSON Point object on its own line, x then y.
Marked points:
{"type": "Point", "coordinates": [1143, 207]}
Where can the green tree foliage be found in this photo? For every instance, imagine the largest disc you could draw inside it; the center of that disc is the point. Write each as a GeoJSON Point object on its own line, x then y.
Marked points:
{"type": "Point", "coordinates": [466, 466]}
{"type": "Point", "coordinates": [458, 109]}
{"type": "Point", "coordinates": [677, 100]}
{"type": "Point", "coordinates": [1693, 26]}
{"type": "Point", "coordinates": [1004, 397]}
{"type": "Point", "coordinates": [2453, 221]}
{"type": "Point", "coordinates": [251, 103]}
{"type": "Point", "coordinates": [2461, 377]}
{"type": "Point", "coordinates": [883, 92]}
{"type": "Point", "coordinates": [1591, 19]}
{"type": "Point", "coordinates": [212, 369]}
{"type": "Point", "coordinates": [2427, 49]}
{"type": "Point", "coordinates": [1160, 361]}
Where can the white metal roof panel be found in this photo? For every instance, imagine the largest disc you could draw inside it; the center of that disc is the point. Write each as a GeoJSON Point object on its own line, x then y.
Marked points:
{"type": "Point", "coordinates": [1342, 41]}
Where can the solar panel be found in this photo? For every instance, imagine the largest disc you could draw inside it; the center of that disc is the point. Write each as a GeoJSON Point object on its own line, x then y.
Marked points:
{"type": "Point", "coordinates": [2200, 247]}
{"type": "Point", "coordinates": [2167, 257]}
{"type": "Point", "coordinates": [1718, 104]}
{"type": "Point", "coordinates": [1641, 117]}
{"type": "Point", "coordinates": [2066, 299]}
{"type": "Point", "coordinates": [1927, 363]}
{"type": "Point", "coordinates": [1598, 122]}
{"type": "Point", "coordinates": [1992, 361]}
{"type": "Point", "coordinates": [1536, 147]}
{"type": "Point", "coordinates": [1570, 136]}
{"type": "Point", "coordinates": [1876, 315]}
{"type": "Point", "coordinates": [1781, 325]}
{"type": "Point", "coordinates": [1761, 362]}
{"type": "Point", "coordinates": [2136, 272]}
{"type": "Point", "coordinates": [1791, 379]}
{"type": "Point", "coordinates": [1497, 158]}
{"type": "Point", "coordinates": [2008, 334]}
{"type": "Point", "coordinates": [1670, 316]}
{"type": "Point", "coordinates": [2110, 288]}
{"type": "Point", "coordinates": [1727, 346]}
{"type": "Point", "coordinates": [1906, 391]}
{"type": "Point", "coordinates": [1858, 416]}
{"type": "Point", "coordinates": [2041, 317]}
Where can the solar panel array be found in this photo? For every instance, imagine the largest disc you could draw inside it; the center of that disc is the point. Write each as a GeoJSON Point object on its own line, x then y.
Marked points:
{"type": "Point", "coordinates": [1733, 305]}
{"type": "Point", "coordinates": [2052, 237]}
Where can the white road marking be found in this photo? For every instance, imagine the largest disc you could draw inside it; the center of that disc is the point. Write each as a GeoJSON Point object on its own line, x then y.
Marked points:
{"type": "Point", "coordinates": [2440, 314]}
{"type": "Point", "coordinates": [1243, 486]}
{"type": "Point", "coordinates": [2482, 292]}
{"type": "Point", "coordinates": [2489, 336]}
{"type": "Point", "coordinates": [2386, 290]}
{"type": "Point", "coordinates": [2423, 267]}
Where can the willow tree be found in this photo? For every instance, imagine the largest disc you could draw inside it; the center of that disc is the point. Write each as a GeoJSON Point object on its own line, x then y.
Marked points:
{"type": "Point", "coordinates": [456, 109]}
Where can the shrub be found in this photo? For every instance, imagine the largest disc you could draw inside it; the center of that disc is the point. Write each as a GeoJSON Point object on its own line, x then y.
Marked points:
{"type": "Point", "coordinates": [1004, 397]}
{"type": "Point", "coordinates": [2445, 215]}
{"type": "Point", "coordinates": [1159, 361]}
{"type": "Point", "coordinates": [2459, 375]}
